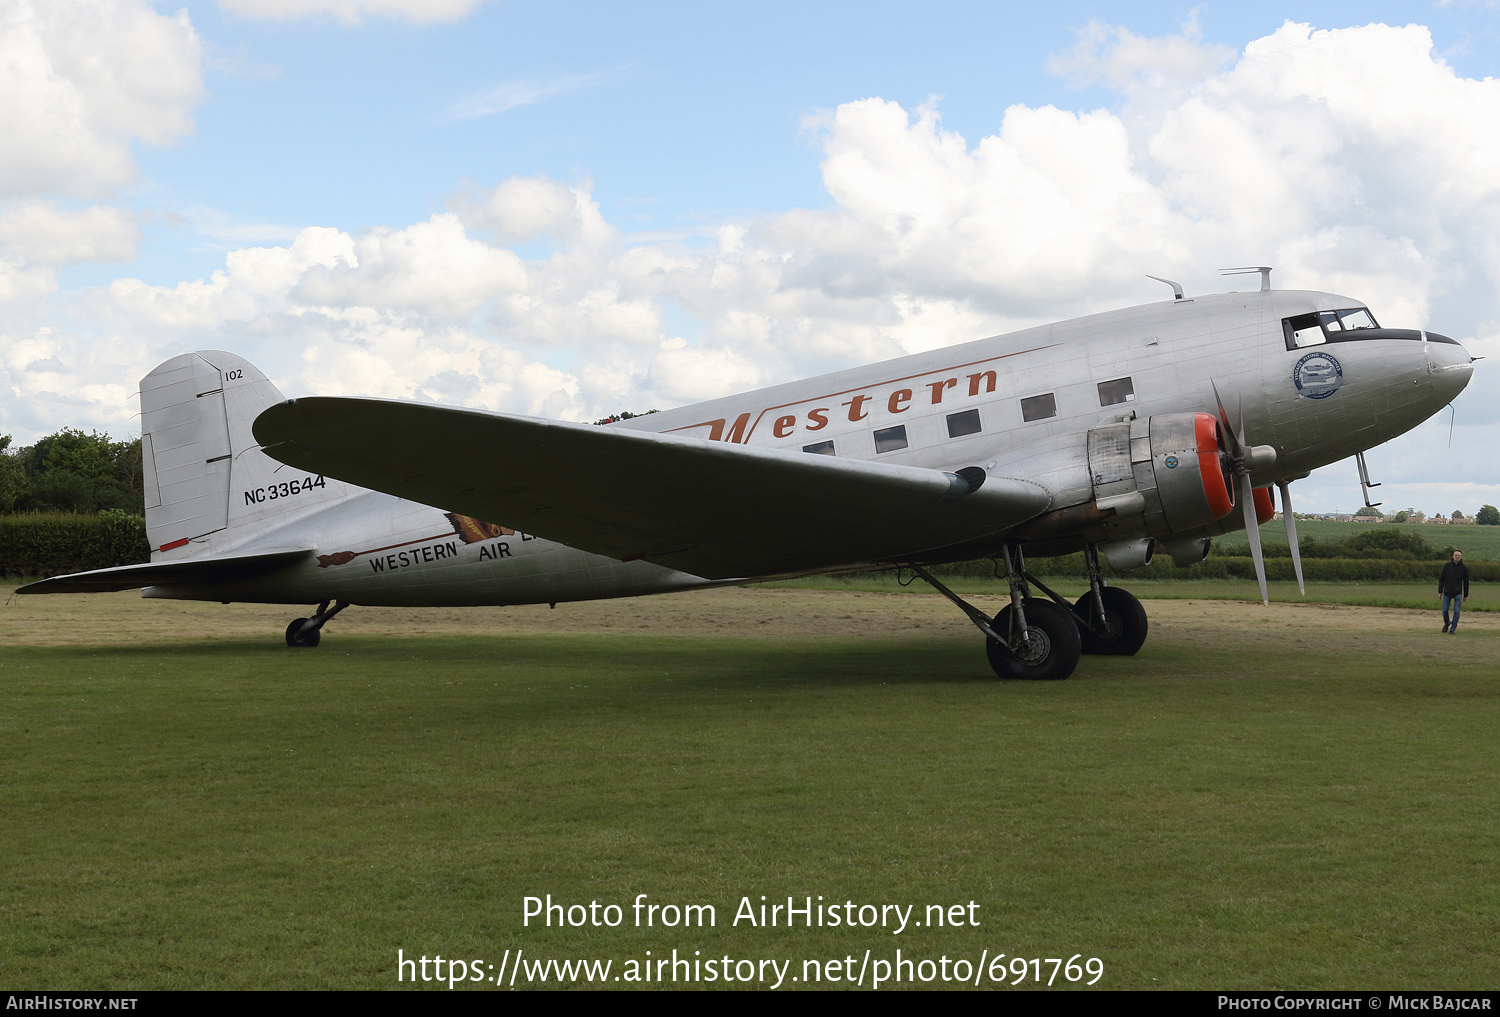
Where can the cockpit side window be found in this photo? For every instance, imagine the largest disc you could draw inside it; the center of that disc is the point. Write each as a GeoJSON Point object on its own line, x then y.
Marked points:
{"type": "Point", "coordinates": [1303, 330]}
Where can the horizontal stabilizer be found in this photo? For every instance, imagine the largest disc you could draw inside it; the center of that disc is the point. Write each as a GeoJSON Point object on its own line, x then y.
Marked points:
{"type": "Point", "coordinates": [223, 569]}
{"type": "Point", "coordinates": [709, 508]}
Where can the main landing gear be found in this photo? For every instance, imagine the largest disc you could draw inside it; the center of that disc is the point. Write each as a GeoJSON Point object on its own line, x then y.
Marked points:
{"type": "Point", "coordinates": [308, 631]}
{"type": "Point", "coordinates": [1041, 639]}
{"type": "Point", "coordinates": [1111, 622]}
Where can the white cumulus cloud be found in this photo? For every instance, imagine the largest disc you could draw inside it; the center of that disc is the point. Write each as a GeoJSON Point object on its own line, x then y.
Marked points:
{"type": "Point", "coordinates": [421, 12]}
{"type": "Point", "coordinates": [41, 233]}
{"type": "Point", "coordinates": [84, 80]}
{"type": "Point", "coordinates": [1124, 60]}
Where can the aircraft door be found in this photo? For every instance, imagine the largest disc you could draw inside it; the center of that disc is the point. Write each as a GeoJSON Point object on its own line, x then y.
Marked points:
{"type": "Point", "coordinates": [185, 444]}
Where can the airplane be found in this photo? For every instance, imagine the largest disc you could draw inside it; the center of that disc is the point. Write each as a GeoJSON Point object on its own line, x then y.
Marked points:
{"type": "Point", "coordinates": [1150, 428]}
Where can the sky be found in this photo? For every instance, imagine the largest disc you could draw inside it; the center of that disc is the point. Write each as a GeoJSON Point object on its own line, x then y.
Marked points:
{"type": "Point", "coordinates": [573, 209]}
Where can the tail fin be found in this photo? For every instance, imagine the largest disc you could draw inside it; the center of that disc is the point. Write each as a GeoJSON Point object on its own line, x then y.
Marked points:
{"type": "Point", "coordinates": [208, 485]}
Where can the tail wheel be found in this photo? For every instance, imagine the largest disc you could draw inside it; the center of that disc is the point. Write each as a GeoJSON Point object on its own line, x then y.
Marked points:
{"type": "Point", "coordinates": [1120, 632]}
{"type": "Point", "coordinates": [1049, 653]}
{"type": "Point", "coordinates": [295, 638]}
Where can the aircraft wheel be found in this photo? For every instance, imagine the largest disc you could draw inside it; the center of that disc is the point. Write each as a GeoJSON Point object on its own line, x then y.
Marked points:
{"type": "Point", "coordinates": [310, 639]}
{"type": "Point", "coordinates": [1124, 625]}
{"type": "Point", "coordinates": [1050, 653]}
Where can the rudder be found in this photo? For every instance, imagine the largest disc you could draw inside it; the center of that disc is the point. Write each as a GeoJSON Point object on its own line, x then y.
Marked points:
{"type": "Point", "coordinates": [207, 483]}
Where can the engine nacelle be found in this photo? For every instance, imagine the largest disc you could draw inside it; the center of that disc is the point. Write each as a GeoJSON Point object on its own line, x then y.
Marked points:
{"type": "Point", "coordinates": [1165, 477]}
{"type": "Point", "coordinates": [1186, 551]}
{"type": "Point", "coordinates": [1182, 471]}
{"type": "Point", "coordinates": [1124, 555]}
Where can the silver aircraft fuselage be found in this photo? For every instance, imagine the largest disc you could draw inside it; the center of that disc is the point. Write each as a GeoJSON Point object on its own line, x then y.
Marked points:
{"type": "Point", "coordinates": [1019, 405]}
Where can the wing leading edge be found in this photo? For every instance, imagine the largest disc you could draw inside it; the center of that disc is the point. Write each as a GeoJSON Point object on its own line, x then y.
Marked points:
{"type": "Point", "coordinates": [711, 509]}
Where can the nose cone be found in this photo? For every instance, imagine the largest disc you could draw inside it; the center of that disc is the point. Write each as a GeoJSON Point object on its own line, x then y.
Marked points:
{"type": "Point", "coordinates": [1449, 368]}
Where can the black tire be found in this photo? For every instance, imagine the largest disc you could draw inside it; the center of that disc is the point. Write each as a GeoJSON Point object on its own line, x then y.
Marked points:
{"type": "Point", "coordinates": [1050, 654]}
{"type": "Point", "coordinates": [310, 639]}
{"type": "Point", "coordinates": [1124, 624]}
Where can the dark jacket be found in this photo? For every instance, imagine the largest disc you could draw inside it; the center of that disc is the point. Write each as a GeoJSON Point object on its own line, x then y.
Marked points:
{"type": "Point", "coordinates": [1454, 580]}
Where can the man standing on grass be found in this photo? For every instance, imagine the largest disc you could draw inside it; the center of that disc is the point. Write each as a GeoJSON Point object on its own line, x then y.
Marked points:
{"type": "Point", "coordinates": [1453, 584]}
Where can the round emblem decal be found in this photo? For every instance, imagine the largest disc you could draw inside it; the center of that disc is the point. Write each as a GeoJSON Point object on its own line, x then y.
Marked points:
{"type": "Point", "coordinates": [1318, 375]}
{"type": "Point", "coordinates": [1171, 462]}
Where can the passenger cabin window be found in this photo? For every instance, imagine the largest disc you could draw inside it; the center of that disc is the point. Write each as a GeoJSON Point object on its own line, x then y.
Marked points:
{"type": "Point", "coordinates": [819, 448]}
{"type": "Point", "coordinates": [960, 424]}
{"type": "Point", "coordinates": [1326, 326]}
{"type": "Point", "coordinates": [1039, 407]}
{"type": "Point", "coordinates": [1121, 390]}
{"type": "Point", "coordinates": [890, 439]}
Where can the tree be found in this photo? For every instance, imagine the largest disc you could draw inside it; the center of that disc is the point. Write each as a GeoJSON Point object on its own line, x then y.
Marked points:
{"type": "Point", "coordinates": [1378, 542]}
{"type": "Point", "coordinates": [12, 475]}
{"type": "Point", "coordinates": [622, 415]}
{"type": "Point", "coordinates": [1400, 517]}
{"type": "Point", "coordinates": [75, 472]}
{"type": "Point", "coordinates": [1458, 516]}
{"type": "Point", "coordinates": [1488, 515]}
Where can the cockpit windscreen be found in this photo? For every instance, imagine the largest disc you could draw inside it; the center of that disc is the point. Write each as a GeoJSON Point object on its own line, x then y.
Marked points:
{"type": "Point", "coordinates": [1326, 326]}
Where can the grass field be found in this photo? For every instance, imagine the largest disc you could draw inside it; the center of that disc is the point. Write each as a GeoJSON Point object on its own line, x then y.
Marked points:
{"type": "Point", "coordinates": [1417, 596]}
{"type": "Point", "coordinates": [1299, 796]}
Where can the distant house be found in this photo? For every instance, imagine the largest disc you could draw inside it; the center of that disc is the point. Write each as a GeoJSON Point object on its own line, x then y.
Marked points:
{"type": "Point", "coordinates": [1367, 519]}
{"type": "Point", "coordinates": [1343, 519]}
{"type": "Point", "coordinates": [1438, 519]}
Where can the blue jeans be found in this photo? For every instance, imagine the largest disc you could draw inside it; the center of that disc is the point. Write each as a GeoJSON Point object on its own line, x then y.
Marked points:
{"type": "Point", "coordinates": [1458, 603]}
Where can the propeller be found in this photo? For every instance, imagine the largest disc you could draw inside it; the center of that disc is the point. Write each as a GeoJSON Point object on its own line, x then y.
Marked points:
{"type": "Point", "coordinates": [1291, 531]}
{"type": "Point", "coordinates": [1243, 458]}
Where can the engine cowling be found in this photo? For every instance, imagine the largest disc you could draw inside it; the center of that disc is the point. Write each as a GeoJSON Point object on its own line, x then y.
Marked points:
{"type": "Point", "coordinates": [1190, 482]}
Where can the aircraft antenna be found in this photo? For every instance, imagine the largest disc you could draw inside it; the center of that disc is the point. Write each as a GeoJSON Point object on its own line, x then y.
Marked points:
{"type": "Point", "coordinates": [1176, 286]}
{"type": "Point", "coordinates": [1264, 270]}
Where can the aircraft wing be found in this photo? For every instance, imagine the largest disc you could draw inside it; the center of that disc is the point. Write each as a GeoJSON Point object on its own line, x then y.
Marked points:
{"type": "Point", "coordinates": [712, 509]}
{"type": "Point", "coordinates": [189, 570]}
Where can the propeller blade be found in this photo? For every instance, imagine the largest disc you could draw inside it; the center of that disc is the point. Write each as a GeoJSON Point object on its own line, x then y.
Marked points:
{"type": "Point", "coordinates": [1232, 443]}
{"type": "Point", "coordinates": [1291, 531]}
{"type": "Point", "coordinates": [1252, 530]}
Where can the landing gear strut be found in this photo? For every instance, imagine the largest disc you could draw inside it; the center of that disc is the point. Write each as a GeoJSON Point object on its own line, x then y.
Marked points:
{"type": "Point", "coordinates": [1031, 639]}
{"type": "Point", "coordinates": [308, 631]}
{"type": "Point", "coordinates": [1111, 621]}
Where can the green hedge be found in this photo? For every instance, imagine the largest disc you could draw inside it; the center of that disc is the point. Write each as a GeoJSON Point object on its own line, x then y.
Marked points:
{"type": "Point", "coordinates": [55, 544]}
{"type": "Point", "coordinates": [51, 544]}
{"type": "Point", "coordinates": [1321, 570]}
